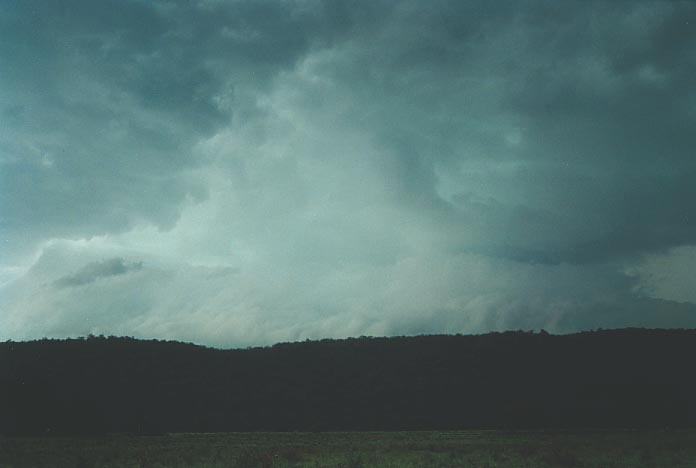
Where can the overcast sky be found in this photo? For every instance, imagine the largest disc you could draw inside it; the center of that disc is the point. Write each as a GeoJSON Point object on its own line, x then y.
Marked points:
{"type": "Point", "coordinates": [246, 172]}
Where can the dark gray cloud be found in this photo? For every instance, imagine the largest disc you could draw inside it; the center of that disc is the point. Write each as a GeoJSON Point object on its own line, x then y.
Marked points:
{"type": "Point", "coordinates": [96, 271]}
{"type": "Point", "coordinates": [320, 167]}
{"type": "Point", "coordinates": [105, 101]}
{"type": "Point", "coordinates": [597, 103]}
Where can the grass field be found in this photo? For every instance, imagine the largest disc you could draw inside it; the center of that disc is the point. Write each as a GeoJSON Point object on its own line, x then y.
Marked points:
{"type": "Point", "coordinates": [366, 449]}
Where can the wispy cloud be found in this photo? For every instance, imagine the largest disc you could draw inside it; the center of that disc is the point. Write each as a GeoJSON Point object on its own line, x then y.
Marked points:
{"type": "Point", "coordinates": [96, 271]}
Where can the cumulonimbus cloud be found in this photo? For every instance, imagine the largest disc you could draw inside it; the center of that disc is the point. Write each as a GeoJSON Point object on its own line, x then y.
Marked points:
{"type": "Point", "coordinates": [312, 168]}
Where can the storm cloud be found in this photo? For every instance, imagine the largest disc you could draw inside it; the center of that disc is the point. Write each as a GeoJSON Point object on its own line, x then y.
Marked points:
{"type": "Point", "coordinates": [246, 172]}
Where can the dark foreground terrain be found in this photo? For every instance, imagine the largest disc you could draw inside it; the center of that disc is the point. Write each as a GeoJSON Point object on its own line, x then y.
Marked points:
{"type": "Point", "coordinates": [672, 449]}
{"type": "Point", "coordinates": [617, 379]}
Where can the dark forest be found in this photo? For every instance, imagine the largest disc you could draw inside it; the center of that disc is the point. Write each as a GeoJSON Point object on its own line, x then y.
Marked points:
{"type": "Point", "coordinates": [629, 378]}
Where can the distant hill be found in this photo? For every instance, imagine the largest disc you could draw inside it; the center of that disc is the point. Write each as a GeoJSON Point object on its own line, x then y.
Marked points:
{"type": "Point", "coordinates": [602, 379]}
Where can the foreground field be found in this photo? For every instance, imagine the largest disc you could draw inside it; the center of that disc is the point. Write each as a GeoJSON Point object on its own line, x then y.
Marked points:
{"type": "Point", "coordinates": [367, 449]}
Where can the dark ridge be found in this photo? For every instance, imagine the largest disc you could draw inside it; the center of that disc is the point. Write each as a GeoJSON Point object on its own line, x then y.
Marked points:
{"type": "Point", "coordinates": [630, 378]}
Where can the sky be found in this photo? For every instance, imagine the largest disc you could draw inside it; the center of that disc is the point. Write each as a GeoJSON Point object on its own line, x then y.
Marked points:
{"type": "Point", "coordinates": [244, 172]}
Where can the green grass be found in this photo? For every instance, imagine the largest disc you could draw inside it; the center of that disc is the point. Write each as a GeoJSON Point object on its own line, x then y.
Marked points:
{"type": "Point", "coordinates": [489, 449]}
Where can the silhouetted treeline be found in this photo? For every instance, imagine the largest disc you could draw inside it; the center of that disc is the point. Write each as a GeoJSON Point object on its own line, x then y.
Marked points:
{"type": "Point", "coordinates": [620, 378]}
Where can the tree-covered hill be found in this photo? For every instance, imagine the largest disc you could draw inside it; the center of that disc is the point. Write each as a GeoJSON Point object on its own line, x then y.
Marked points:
{"type": "Point", "coordinates": [618, 378]}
